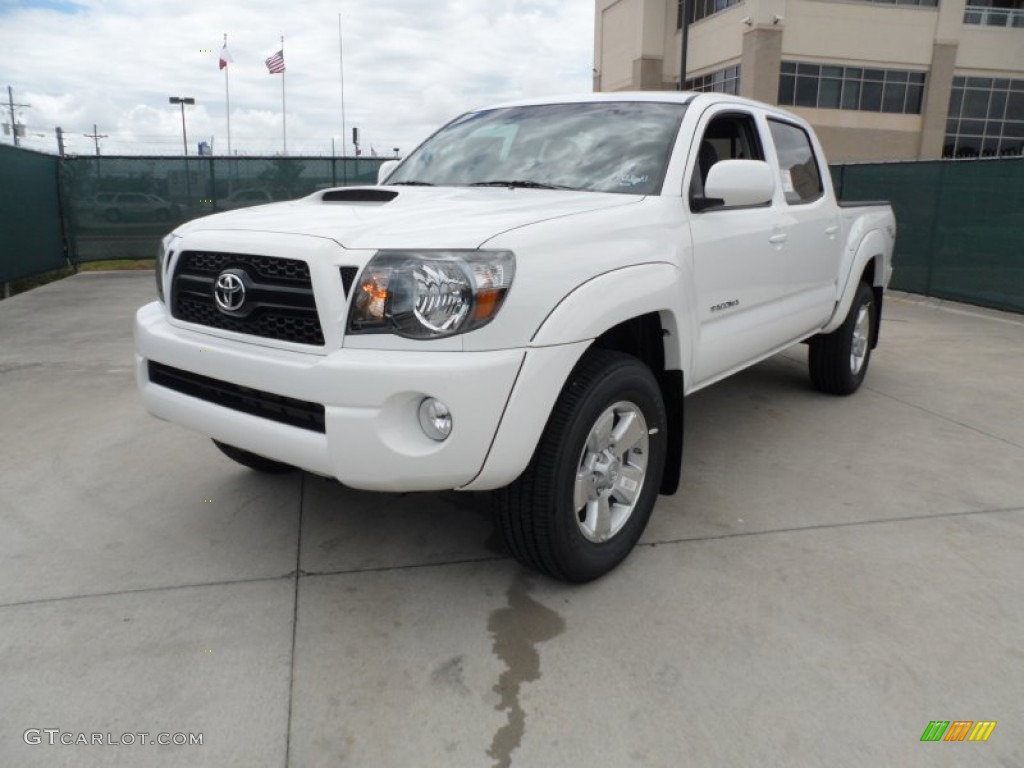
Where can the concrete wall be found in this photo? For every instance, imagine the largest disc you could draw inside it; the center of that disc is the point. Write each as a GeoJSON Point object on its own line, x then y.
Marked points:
{"type": "Point", "coordinates": [715, 41]}
{"type": "Point", "coordinates": [762, 56]}
{"type": "Point", "coordinates": [936, 100]}
{"type": "Point", "coordinates": [838, 32]}
{"type": "Point", "coordinates": [618, 30]}
{"type": "Point", "coordinates": [991, 51]}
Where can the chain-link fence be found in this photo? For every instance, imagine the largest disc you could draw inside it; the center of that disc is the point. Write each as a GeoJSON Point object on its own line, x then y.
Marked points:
{"type": "Point", "coordinates": [960, 225]}
{"type": "Point", "coordinates": [120, 207]}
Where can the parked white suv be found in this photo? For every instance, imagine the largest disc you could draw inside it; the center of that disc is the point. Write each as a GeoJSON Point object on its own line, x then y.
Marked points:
{"type": "Point", "coordinates": [522, 305]}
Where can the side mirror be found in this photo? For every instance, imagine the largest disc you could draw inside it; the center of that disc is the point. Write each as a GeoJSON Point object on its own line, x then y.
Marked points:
{"type": "Point", "coordinates": [385, 170]}
{"type": "Point", "coordinates": [740, 182]}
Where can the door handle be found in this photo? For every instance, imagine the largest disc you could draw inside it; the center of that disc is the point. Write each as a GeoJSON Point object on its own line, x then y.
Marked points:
{"type": "Point", "coordinates": [832, 230]}
{"type": "Point", "coordinates": [777, 239]}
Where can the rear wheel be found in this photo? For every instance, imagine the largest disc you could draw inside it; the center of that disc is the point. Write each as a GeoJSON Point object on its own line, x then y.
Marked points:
{"type": "Point", "coordinates": [252, 460]}
{"type": "Point", "coordinates": [585, 498]}
{"type": "Point", "coordinates": [839, 360]}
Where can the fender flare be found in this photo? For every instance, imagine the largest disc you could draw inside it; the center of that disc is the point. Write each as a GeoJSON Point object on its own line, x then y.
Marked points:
{"type": "Point", "coordinates": [871, 247]}
{"type": "Point", "coordinates": [561, 340]}
{"type": "Point", "coordinates": [622, 294]}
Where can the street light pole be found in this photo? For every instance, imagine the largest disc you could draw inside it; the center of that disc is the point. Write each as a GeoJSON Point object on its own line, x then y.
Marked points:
{"type": "Point", "coordinates": [183, 100]}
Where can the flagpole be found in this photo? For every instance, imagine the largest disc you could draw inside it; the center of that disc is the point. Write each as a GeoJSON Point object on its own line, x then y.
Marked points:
{"type": "Point", "coordinates": [227, 95]}
{"type": "Point", "coordinates": [284, 119]}
{"type": "Point", "coordinates": [341, 73]}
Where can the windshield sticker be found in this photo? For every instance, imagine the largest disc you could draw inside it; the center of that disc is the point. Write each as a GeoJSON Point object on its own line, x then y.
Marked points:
{"type": "Point", "coordinates": [631, 180]}
{"type": "Point", "coordinates": [787, 181]}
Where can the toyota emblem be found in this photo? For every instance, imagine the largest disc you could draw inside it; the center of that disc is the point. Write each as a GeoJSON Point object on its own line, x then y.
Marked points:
{"type": "Point", "coordinates": [229, 291]}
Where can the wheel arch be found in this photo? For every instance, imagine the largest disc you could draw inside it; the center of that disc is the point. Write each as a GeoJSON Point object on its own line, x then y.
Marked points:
{"type": "Point", "coordinates": [659, 336]}
{"type": "Point", "coordinates": [640, 312]}
{"type": "Point", "coordinates": [872, 275]}
{"type": "Point", "coordinates": [867, 265]}
{"type": "Point", "coordinates": [644, 337]}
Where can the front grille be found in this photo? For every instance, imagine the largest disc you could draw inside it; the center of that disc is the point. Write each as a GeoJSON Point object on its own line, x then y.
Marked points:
{"type": "Point", "coordinates": [279, 302]}
{"type": "Point", "coordinates": [287, 410]}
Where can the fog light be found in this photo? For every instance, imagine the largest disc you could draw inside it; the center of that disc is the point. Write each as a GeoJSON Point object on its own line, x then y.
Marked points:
{"type": "Point", "coordinates": [435, 418]}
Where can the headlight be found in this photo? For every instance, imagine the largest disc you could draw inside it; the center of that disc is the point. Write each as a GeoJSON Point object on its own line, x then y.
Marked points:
{"type": "Point", "coordinates": [430, 294]}
{"type": "Point", "coordinates": [163, 252]}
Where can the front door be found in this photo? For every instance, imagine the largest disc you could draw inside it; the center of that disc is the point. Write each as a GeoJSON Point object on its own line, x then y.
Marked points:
{"type": "Point", "coordinates": [736, 252]}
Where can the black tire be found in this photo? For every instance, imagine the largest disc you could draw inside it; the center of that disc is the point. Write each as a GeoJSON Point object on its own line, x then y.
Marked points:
{"type": "Point", "coordinates": [536, 515]}
{"type": "Point", "coordinates": [253, 461]}
{"type": "Point", "coordinates": [834, 368]}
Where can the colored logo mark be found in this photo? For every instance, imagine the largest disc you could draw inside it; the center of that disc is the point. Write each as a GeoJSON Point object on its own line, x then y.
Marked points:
{"type": "Point", "coordinates": [958, 730]}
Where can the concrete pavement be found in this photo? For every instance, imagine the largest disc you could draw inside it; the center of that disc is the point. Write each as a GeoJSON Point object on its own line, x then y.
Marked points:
{"type": "Point", "coordinates": [835, 574]}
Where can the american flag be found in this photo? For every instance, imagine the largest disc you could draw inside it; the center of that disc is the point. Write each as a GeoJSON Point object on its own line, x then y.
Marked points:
{"type": "Point", "coordinates": [275, 63]}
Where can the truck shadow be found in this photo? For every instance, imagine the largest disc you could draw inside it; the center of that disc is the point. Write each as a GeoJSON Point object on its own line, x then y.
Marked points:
{"type": "Point", "coordinates": [344, 529]}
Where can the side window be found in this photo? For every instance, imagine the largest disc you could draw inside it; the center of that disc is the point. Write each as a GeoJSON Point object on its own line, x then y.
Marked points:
{"type": "Point", "coordinates": [729, 136]}
{"type": "Point", "coordinates": [801, 178]}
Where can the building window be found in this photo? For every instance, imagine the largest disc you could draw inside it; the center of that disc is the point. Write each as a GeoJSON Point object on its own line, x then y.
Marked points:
{"type": "Point", "coordinates": [868, 90]}
{"type": "Point", "coordinates": [995, 13]}
{"type": "Point", "coordinates": [695, 10]}
{"type": "Point", "coordinates": [721, 81]}
{"type": "Point", "coordinates": [986, 118]}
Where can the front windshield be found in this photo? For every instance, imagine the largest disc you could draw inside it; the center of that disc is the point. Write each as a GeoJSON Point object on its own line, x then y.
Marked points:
{"type": "Point", "coordinates": [597, 146]}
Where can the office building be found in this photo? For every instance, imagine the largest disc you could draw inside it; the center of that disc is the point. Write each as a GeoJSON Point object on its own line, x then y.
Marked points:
{"type": "Point", "coordinates": [895, 80]}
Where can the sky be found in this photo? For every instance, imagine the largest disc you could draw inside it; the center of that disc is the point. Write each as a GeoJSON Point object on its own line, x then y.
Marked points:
{"type": "Point", "coordinates": [409, 67]}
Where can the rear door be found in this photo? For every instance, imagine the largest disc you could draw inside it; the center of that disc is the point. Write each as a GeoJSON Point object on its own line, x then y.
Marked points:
{"type": "Point", "coordinates": [810, 222]}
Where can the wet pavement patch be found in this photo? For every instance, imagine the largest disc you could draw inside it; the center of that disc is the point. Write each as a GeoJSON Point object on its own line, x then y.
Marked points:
{"type": "Point", "coordinates": [516, 630]}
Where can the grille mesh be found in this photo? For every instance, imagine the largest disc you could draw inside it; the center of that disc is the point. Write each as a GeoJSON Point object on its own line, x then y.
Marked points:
{"type": "Point", "coordinates": [279, 296]}
{"type": "Point", "coordinates": [266, 267]}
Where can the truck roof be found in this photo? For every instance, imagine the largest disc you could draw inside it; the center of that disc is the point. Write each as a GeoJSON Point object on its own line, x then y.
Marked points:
{"type": "Point", "coordinates": [671, 97]}
{"type": "Point", "coordinates": [665, 97]}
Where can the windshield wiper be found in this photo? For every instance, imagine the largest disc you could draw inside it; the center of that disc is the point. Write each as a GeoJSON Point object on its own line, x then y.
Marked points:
{"type": "Point", "coordinates": [411, 184]}
{"type": "Point", "coordinates": [521, 183]}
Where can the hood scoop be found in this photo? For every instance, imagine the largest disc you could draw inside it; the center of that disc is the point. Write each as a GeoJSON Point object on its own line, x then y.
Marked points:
{"type": "Point", "coordinates": [359, 195]}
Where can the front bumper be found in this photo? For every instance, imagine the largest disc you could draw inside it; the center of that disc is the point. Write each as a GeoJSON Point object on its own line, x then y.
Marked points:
{"type": "Point", "coordinates": [372, 438]}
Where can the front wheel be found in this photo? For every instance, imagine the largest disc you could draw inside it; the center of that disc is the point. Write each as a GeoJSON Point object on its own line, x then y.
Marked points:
{"type": "Point", "coordinates": [839, 360]}
{"type": "Point", "coordinates": [581, 505]}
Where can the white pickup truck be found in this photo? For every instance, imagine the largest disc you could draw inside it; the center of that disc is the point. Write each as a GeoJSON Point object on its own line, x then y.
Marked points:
{"type": "Point", "coordinates": [522, 304]}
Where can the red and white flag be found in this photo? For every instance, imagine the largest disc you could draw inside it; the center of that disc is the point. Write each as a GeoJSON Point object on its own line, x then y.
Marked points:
{"type": "Point", "coordinates": [275, 63]}
{"type": "Point", "coordinates": [225, 57]}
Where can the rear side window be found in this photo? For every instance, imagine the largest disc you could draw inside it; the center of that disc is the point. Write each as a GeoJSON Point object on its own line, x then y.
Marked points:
{"type": "Point", "coordinates": [801, 178]}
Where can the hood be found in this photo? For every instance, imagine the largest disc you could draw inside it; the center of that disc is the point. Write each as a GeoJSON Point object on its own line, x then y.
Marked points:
{"type": "Point", "coordinates": [409, 217]}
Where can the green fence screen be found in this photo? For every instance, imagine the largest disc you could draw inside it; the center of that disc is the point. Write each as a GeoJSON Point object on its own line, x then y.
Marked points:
{"type": "Point", "coordinates": [960, 225]}
{"type": "Point", "coordinates": [31, 239]}
{"type": "Point", "coordinates": [120, 207]}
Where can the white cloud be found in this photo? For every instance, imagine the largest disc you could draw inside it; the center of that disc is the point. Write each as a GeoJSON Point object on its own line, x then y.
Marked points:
{"type": "Point", "coordinates": [410, 65]}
